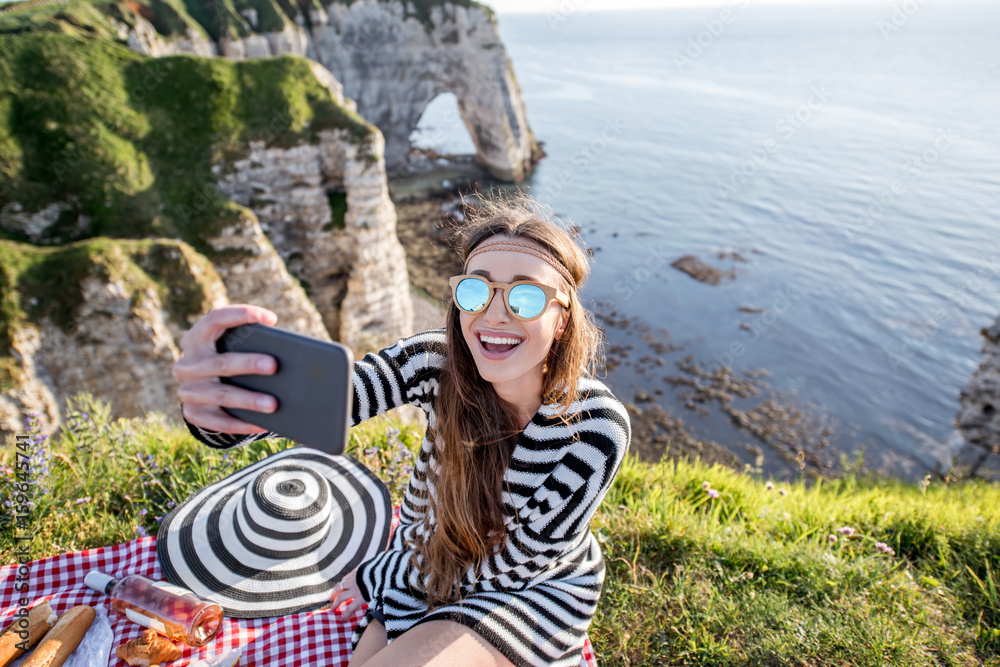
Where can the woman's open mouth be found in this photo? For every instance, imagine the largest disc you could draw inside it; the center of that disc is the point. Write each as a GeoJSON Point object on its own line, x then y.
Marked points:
{"type": "Point", "coordinates": [497, 347]}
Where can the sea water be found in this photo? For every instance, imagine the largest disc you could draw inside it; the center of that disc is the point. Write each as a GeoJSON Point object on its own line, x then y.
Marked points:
{"type": "Point", "coordinates": [850, 154]}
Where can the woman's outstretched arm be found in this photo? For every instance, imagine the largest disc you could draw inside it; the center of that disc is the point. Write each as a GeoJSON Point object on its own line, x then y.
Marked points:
{"type": "Point", "coordinates": [403, 373]}
{"type": "Point", "coordinates": [201, 367]}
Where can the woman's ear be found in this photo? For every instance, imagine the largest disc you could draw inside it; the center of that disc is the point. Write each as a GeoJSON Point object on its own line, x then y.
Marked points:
{"type": "Point", "coordinates": [561, 327]}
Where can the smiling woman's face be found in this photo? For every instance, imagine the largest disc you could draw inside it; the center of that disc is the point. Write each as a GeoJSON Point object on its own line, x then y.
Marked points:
{"type": "Point", "coordinates": [490, 333]}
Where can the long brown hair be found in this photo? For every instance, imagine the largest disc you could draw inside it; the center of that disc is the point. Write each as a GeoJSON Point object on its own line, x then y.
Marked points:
{"type": "Point", "coordinates": [476, 431]}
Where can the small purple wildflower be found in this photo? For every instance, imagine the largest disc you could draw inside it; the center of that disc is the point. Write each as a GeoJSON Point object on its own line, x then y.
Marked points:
{"type": "Point", "coordinates": [141, 532]}
{"type": "Point", "coordinates": [143, 512]}
{"type": "Point", "coordinates": [712, 493]}
{"type": "Point", "coordinates": [884, 548]}
{"type": "Point", "coordinates": [85, 499]}
{"type": "Point", "coordinates": [832, 538]}
{"type": "Point", "coordinates": [846, 530]}
{"type": "Point", "coordinates": [782, 492]}
{"type": "Point", "coordinates": [769, 486]}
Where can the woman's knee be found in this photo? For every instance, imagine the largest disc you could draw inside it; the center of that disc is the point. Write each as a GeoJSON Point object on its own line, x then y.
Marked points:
{"type": "Point", "coordinates": [373, 639]}
{"type": "Point", "coordinates": [439, 644]}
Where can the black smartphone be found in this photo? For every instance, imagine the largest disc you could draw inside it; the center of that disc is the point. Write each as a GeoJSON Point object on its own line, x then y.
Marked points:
{"type": "Point", "coordinates": [312, 385]}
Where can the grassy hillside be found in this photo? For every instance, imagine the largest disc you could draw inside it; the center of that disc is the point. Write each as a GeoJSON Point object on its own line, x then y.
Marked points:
{"type": "Point", "coordinates": [115, 145]}
{"type": "Point", "coordinates": [210, 19]}
{"type": "Point", "coordinates": [39, 283]}
{"type": "Point", "coordinates": [705, 566]}
{"type": "Point", "coordinates": [134, 145]}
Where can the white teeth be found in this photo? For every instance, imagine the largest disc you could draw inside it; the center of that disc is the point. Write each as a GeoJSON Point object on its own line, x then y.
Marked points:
{"type": "Point", "coordinates": [496, 340]}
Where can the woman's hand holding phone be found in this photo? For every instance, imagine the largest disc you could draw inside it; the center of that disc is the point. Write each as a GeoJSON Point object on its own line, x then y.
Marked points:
{"type": "Point", "coordinates": [198, 371]}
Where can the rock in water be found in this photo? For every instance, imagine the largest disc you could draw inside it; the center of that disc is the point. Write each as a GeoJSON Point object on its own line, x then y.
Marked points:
{"type": "Point", "coordinates": [979, 417]}
{"type": "Point", "coordinates": [701, 271]}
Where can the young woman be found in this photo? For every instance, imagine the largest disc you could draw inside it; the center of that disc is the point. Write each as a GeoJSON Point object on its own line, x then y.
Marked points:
{"type": "Point", "coordinates": [493, 562]}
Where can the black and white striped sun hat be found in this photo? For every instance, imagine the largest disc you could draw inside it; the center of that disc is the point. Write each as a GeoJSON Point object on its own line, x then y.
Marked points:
{"type": "Point", "coordinates": [274, 538]}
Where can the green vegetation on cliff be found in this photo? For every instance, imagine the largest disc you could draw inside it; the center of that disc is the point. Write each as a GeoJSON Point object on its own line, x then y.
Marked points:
{"type": "Point", "coordinates": [210, 19]}
{"type": "Point", "coordinates": [46, 283]}
{"type": "Point", "coordinates": [170, 18]}
{"type": "Point", "coordinates": [133, 146]}
{"type": "Point", "coordinates": [860, 572]}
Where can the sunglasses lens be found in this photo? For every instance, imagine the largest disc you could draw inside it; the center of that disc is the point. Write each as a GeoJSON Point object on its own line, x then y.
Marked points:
{"type": "Point", "coordinates": [472, 295]}
{"type": "Point", "coordinates": [527, 300]}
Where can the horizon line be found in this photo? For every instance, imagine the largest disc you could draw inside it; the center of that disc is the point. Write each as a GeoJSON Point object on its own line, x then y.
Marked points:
{"type": "Point", "coordinates": [718, 4]}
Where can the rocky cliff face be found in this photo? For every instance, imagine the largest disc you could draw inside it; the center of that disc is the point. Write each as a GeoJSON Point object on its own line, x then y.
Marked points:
{"type": "Point", "coordinates": [254, 272]}
{"type": "Point", "coordinates": [141, 36]}
{"type": "Point", "coordinates": [284, 201]}
{"type": "Point", "coordinates": [393, 61]}
{"type": "Point", "coordinates": [103, 317]}
{"type": "Point", "coordinates": [393, 66]}
{"type": "Point", "coordinates": [349, 258]}
{"type": "Point", "coordinates": [979, 418]}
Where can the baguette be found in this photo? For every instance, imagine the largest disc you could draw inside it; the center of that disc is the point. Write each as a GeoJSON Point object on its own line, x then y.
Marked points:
{"type": "Point", "coordinates": [40, 619]}
{"type": "Point", "coordinates": [63, 638]}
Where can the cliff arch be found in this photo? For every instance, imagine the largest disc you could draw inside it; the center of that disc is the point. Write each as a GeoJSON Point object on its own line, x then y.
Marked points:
{"type": "Point", "coordinates": [393, 65]}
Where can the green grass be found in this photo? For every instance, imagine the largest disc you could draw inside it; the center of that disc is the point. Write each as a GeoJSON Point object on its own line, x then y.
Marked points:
{"type": "Point", "coordinates": [170, 18]}
{"type": "Point", "coordinates": [212, 19]}
{"type": "Point", "coordinates": [135, 145]}
{"type": "Point", "coordinates": [122, 467]}
{"type": "Point", "coordinates": [748, 578]}
{"type": "Point", "coordinates": [752, 577]}
{"type": "Point", "coordinates": [45, 283]}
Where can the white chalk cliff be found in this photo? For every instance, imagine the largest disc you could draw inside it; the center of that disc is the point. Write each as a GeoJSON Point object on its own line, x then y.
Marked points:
{"type": "Point", "coordinates": [354, 267]}
{"type": "Point", "coordinates": [314, 234]}
{"type": "Point", "coordinates": [122, 341]}
{"type": "Point", "coordinates": [393, 63]}
{"type": "Point", "coordinates": [328, 272]}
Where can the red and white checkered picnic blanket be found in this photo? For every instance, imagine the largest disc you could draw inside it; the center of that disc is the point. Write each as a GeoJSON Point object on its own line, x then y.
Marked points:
{"type": "Point", "coordinates": [315, 638]}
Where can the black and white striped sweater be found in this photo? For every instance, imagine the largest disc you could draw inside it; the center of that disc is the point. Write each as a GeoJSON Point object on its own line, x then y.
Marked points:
{"type": "Point", "coordinates": [537, 595]}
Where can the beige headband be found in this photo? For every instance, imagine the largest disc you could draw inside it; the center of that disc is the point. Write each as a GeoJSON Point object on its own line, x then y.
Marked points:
{"type": "Point", "coordinates": [497, 243]}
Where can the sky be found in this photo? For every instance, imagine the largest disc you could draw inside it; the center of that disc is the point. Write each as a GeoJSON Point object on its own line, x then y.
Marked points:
{"type": "Point", "coordinates": [544, 6]}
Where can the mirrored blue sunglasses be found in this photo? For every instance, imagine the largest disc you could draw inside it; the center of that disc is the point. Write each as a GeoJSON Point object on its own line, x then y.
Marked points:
{"type": "Point", "coordinates": [525, 300]}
